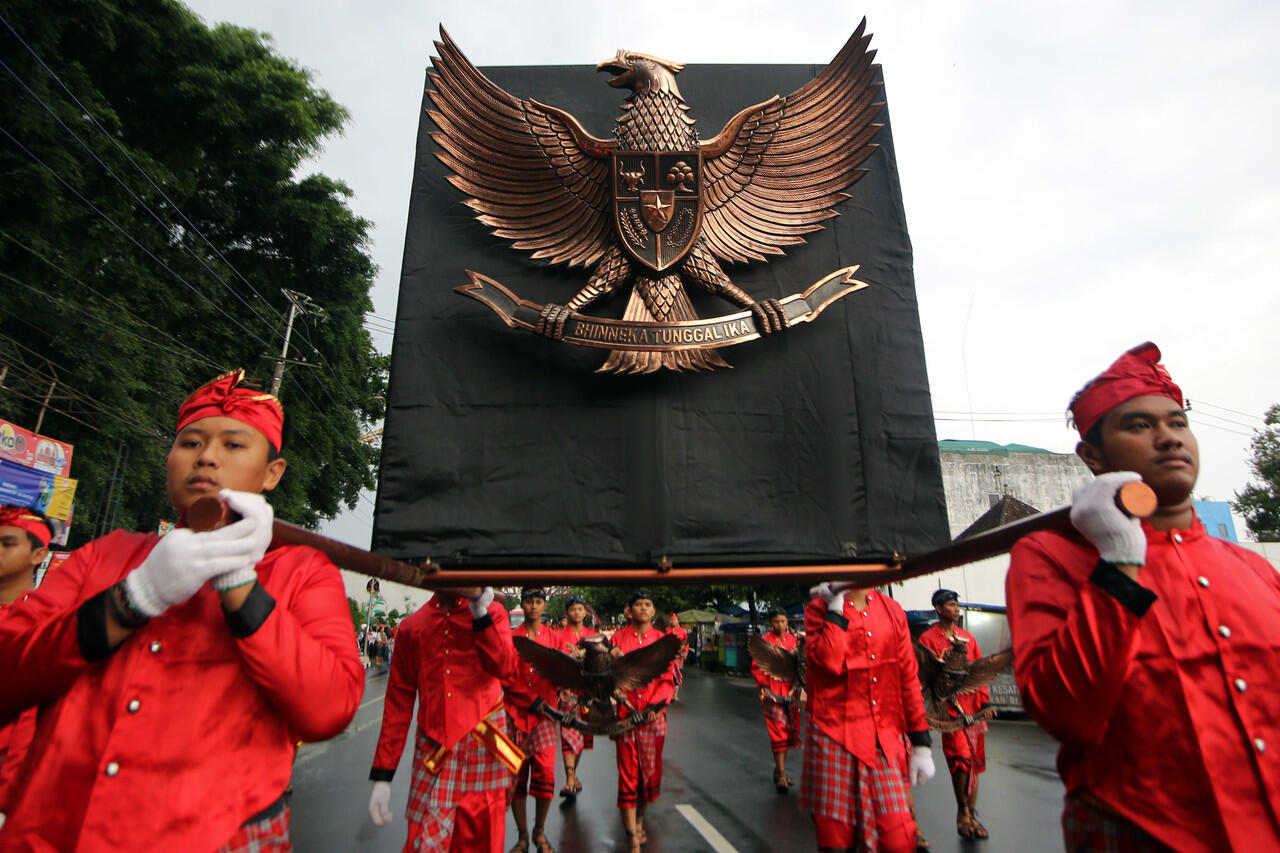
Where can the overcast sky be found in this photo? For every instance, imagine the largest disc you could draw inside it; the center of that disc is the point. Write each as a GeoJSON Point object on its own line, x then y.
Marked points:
{"type": "Point", "coordinates": [1078, 177]}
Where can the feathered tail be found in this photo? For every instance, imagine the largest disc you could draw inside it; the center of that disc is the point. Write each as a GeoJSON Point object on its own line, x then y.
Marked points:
{"type": "Point", "coordinates": [671, 303]}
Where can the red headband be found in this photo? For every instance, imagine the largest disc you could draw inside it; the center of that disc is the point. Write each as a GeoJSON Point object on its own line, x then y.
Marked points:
{"type": "Point", "coordinates": [1137, 373]}
{"type": "Point", "coordinates": [12, 516]}
{"type": "Point", "coordinates": [223, 398]}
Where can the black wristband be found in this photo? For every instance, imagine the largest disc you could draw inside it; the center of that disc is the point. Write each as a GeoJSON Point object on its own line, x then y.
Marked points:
{"type": "Point", "coordinates": [379, 774]}
{"type": "Point", "coordinates": [126, 613]}
{"type": "Point", "coordinates": [837, 619]}
{"type": "Point", "coordinates": [1133, 596]}
{"type": "Point", "coordinates": [920, 738]}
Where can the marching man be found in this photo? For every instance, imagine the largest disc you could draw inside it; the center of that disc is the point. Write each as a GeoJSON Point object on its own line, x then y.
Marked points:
{"type": "Point", "coordinates": [639, 750]}
{"type": "Point", "coordinates": [24, 543]}
{"type": "Point", "coordinates": [965, 750]}
{"type": "Point", "coordinates": [572, 741]}
{"type": "Point", "coordinates": [673, 627]}
{"type": "Point", "coordinates": [864, 695]}
{"type": "Point", "coordinates": [175, 674]}
{"type": "Point", "coordinates": [536, 735]}
{"type": "Point", "coordinates": [781, 708]}
{"type": "Point", "coordinates": [1147, 647]}
{"type": "Point", "coordinates": [450, 656]}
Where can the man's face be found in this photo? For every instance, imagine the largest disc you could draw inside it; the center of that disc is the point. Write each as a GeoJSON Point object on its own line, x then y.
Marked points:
{"type": "Point", "coordinates": [534, 608]}
{"type": "Point", "coordinates": [218, 453]}
{"type": "Point", "coordinates": [675, 621]}
{"type": "Point", "coordinates": [949, 610]}
{"type": "Point", "coordinates": [778, 624]}
{"type": "Point", "coordinates": [641, 611]}
{"type": "Point", "coordinates": [1149, 435]}
{"type": "Point", "coordinates": [577, 614]}
{"type": "Point", "coordinates": [16, 554]}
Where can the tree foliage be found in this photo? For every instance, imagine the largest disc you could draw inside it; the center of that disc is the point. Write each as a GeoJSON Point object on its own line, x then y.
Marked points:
{"type": "Point", "coordinates": [608, 601]}
{"type": "Point", "coordinates": [1259, 502]}
{"type": "Point", "coordinates": [152, 208]}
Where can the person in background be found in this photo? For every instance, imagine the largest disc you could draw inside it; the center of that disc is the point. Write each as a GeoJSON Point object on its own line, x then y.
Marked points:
{"type": "Point", "coordinates": [673, 627]}
{"type": "Point", "coordinates": [175, 674]}
{"type": "Point", "coordinates": [573, 742]}
{"type": "Point", "coordinates": [780, 702]}
{"type": "Point", "coordinates": [536, 735]}
{"type": "Point", "coordinates": [964, 749]}
{"type": "Point", "coordinates": [639, 751]}
{"type": "Point", "coordinates": [1146, 647]}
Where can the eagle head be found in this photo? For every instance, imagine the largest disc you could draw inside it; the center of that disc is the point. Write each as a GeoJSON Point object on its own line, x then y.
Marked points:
{"type": "Point", "coordinates": [642, 73]}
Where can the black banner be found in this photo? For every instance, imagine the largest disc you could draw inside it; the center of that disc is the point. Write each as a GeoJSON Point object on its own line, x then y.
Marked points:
{"type": "Point", "coordinates": [817, 444]}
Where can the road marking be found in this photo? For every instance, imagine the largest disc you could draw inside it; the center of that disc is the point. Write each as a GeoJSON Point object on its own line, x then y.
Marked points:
{"type": "Point", "coordinates": [370, 702]}
{"type": "Point", "coordinates": [717, 841]}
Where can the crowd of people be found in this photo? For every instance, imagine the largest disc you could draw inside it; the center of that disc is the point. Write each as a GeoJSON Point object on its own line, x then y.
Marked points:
{"type": "Point", "coordinates": [155, 688]}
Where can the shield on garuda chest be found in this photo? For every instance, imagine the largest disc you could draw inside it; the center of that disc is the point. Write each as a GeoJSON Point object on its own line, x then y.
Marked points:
{"type": "Point", "coordinates": [657, 204]}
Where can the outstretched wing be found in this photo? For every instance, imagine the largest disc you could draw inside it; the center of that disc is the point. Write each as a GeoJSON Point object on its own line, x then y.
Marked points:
{"type": "Point", "coordinates": [557, 667]}
{"type": "Point", "coordinates": [531, 172]}
{"type": "Point", "coordinates": [638, 667]}
{"type": "Point", "coordinates": [779, 168]}
{"type": "Point", "coordinates": [774, 661]}
{"type": "Point", "coordinates": [929, 665]}
{"type": "Point", "coordinates": [984, 670]}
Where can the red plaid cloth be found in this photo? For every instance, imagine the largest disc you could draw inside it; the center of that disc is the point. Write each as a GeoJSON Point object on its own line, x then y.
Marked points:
{"type": "Point", "coordinates": [837, 786]}
{"type": "Point", "coordinates": [966, 750]}
{"type": "Point", "coordinates": [783, 724]}
{"type": "Point", "coordinates": [539, 747]}
{"type": "Point", "coordinates": [468, 768]}
{"type": "Point", "coordinates": [270, 835]}
{"type": "Point", "coordinates": [1086, 829]}
{"type": "Point", "coordinates": [572, 740]}
{"type": "Point", "coordinates": [639, 754]}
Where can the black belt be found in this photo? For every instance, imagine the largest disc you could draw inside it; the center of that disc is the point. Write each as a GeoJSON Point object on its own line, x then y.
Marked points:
{"type": "Point", "coordinates": [268, 813]}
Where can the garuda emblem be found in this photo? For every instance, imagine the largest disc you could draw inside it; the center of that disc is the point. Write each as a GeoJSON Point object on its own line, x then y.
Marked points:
{"type": "Point", "coordinates": [656, 210]}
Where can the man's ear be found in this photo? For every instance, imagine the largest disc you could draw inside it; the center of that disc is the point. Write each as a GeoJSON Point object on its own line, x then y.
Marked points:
{"type": "Point", "coordinates": [37, 556]}
{"type": "Point", "coordinates": [1092, 457]}
{"type": "Point", "coordinates": [275, 470]}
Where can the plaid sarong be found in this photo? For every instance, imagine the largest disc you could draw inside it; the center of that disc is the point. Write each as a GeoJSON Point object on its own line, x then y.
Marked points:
{"type": "Point", "coordinates": [270, 835]}
{"type": "Point", "coordinates": [468, 768]}
{"type": "Point", "coordinates": [1086, 829]}
{"type": "Point", "coordinates": [783, 725]}
{"type": "Point", "coordinates": [966, 750]}
{"type": "Point", "coordinates": [572, 740]}
{"type": "Point", "coordinates": [639, 754]}
{"type": "Point", "coordinates": [539, 747]}
{"type": "Point", "coordinates": [838, 786]}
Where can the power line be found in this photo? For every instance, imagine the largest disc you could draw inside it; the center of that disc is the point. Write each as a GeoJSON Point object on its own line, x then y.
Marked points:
{"type": "Point", "coordinates": [1225, 409]}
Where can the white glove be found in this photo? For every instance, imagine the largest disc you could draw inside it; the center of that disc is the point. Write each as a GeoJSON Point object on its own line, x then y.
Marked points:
{"type": "Point", "coordinates": [834, 600]}
{"type": "Point", "coordinates": [1117, 536]}
{"type": "Point", "coordinates": [480, 604]}
{"type": "Point", "coordinates": [184, 560]}
{"type": "Point", "coordinates": [380, 803]}
{"type": "Point", "coordinates": [922, 769]}
{"type": "Point", "coordinates": [253, 507]}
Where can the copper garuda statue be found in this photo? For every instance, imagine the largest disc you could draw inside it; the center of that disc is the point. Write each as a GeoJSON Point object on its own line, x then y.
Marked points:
{"type": "Point", "coordinates": [656, 209]}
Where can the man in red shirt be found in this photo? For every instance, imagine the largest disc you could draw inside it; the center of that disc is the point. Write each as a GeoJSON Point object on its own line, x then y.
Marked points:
{"type": "Point", "coordinates": [24, 543]}
{"type": "Point", "coordinates": [965, 750]}
{"type": "Point", "coordinates": [864, 696]}
{"type": "Point", "coordinates": [176, 674]}
{"type": "Point", "coordinates": [1147, 647]}
{"type": "Point", "coordinates": [450, 656]}
{"type": "Point", "coordinates": [572, 741]}
{"type": "Point", "coordinates": [780, 703]}
{"type": "Point", "coordinates": [673, 627]}
{"type": "Point", "coordinates": [639, 751]}
{"type": "Point", "coordinates": [536, 735]}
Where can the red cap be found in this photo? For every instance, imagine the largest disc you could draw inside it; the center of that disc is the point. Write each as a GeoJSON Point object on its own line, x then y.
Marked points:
{"type": "Point", "coordinates": [222, 397]}
{"type": "Point", "coordinates": [14, 516]}
{"type": "Point", "coordinates": [1137, 373]}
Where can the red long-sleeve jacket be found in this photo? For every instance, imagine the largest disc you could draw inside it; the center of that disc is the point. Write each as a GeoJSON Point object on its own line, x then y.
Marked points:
{"type": "Point", "coordinates": [663, 687]}
{"type": "Point", "coordinates": [937, 641]}
{"type": "Point", "coordinates": [522, 684]}
{"type": "Point", "coordinates": [862, 677]}
{"type": "Point", "coordinates": [187, 729]}
{"type": "Point", "coordinates": [15, 739]}
{"type": "Point", "coordinates": [777, 685]}
{"type": "Point", "coordinates": [1162, 692]}
{"type": "Point", "coordinates": [452, 664]}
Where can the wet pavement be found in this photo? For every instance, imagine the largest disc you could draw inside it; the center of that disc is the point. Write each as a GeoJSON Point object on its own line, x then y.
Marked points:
{"type": "Point", "coordinates": [717, 791]}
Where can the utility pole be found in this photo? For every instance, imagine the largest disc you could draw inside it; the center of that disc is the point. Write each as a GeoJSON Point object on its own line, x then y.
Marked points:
{"type": "Point", "coordinates": [298, 302]}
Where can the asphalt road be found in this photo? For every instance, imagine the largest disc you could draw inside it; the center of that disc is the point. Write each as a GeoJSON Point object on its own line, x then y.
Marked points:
{"type": "Point", "coordinates": [717, 790]}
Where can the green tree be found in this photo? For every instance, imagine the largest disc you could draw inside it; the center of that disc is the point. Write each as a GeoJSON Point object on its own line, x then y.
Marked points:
{"type": "Point", "coordinates": [152, 207]}
{"type": "Point", "coordinates": [1259, 502]}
